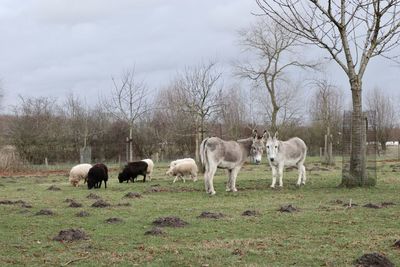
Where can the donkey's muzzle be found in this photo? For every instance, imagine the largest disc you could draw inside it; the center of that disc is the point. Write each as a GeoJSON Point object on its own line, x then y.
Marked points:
{"type": "Point", "coordinates": [271, 159]}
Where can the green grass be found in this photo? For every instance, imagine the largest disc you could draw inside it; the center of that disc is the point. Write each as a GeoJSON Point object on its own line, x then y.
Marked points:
{"type": "Point", "coordinates": [322, 233]}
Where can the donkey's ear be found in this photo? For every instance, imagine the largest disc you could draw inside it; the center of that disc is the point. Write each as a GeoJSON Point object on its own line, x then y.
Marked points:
{"type": "Point", "coordinates": [254, 133]}
{"type": "Point", "coordinates": [265, 134]}
{"type": "Point", "coordinates": [276, 135]}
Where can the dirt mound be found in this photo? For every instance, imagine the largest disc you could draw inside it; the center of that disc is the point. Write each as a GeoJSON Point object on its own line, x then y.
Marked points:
{"type": "Point", "coordinates": [93, 196]}
{"type": "Point", "coordinates": [46, 212]}
{"type": "Point", "coordinates": [250, 213]}
{"type": "Point", "coordinates": [170, 221]}
{"type": "Point", "coordinates": [133, 195]}
{"type": "Point", "coordinates": [74, 204]}
{"type": "Point", "coordinates": [6, 202]}
{"type": "Point", "coordinates": [337, 201]}
{"type": "Point", "coordinates": [54, 188]}
{"type": "Point", "coordinates": [100, 204]}
{"type": "Point", "coordinates": [349, 205]}
{"type": "Point", "coordinates": [68, 200]}
{"type": "Point", "coordinates": [124, 204]}
{"type": "Point", "coordinates": [211, 215]}
{"type": "Point", "coordinates": [26, 205]}
{"type": "Point", "coordinates": [237, 252]}
{"type": "Point", "coordinates": [373, 260]}
{"type": "Point", "coordinates": [70, 235]}
{"type": "Point", "coordinates": [113, 220]}
{"type": "Point", "coordinates": [155, 231]}
{"type": "Point", "coordinates": [20, 189]}
{"type": "Point", "coordinates": [288, 208]}
{"type": "Point", "coordinates": [82, 214]}
{"type": "Point", "coordinates": [156, 189]}
{"type": "Point", "coordinates": [372, 206]}
{"type": "Point", "coordinates": [385, 204]}
{"type": "Point", "coordinates": [397, 244]}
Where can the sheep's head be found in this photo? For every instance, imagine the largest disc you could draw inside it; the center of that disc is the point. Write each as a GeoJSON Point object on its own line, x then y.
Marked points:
{"type": "Point", "coordinates": [90, 184]}
{"type": "Point", "coordinates": [121, 177]}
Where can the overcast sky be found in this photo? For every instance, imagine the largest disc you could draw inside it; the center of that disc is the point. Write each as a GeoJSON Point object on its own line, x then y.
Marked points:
{"type": "Point", "coordinates": [55, 47]}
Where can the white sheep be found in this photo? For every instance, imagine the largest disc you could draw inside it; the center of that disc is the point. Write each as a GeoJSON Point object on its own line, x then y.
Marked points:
{"type": "Point", "coordinates": [78, 173]}
{"type": "Point", "coordinates": [173, 163]}
{"type": "Point", "coordinates": [150, 167]}
{"type": "Point", "coordinates": [180, 169]}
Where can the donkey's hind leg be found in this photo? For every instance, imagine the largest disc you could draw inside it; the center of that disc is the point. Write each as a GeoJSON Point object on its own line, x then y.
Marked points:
{"type": "Point", "coordinates": [235, 172]}
{"type": "Point", "coordinates": [302, 174]}
{"type": "Point", "coordinates": [208, 178]}
{"type": "Point", "coordinates": [229, 183]}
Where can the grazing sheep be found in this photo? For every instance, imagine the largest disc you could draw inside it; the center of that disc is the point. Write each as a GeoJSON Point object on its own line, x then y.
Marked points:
{"type": "Point", "coordinates": [97, 174]}
{"type": "Point", "coordinates": [175, 162]}
{"type": "Point", "coordinates": [150, 167]}
{"type": "Point", "coordinates": [132, 170]}
{"type": "Point", "coordinates": [78, 173]}
{"type": "Point", "coordinates": [183, 168]}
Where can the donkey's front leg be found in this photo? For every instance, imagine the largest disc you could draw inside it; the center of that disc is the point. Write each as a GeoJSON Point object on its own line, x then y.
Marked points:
{"type": "Point", "coordinates": [273, 176]}
{"type": "Point", "coordinates": [229, 183]}
{"type": "Point", "coordinates": [281, 166]}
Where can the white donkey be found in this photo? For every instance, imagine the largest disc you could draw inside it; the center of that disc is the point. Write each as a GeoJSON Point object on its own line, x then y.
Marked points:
{"type": "Point", "coordinates": [286, 153]}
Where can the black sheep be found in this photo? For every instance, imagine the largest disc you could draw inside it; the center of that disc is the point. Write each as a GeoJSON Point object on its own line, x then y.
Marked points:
{"type": "Point", "coordinates": [97, 174]}
{"type": "Point", "coordinates": [132, 170]}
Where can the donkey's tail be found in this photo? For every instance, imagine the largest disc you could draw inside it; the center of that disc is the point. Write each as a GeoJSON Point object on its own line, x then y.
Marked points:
{"type": "Point", "coordinates": [203, 155]}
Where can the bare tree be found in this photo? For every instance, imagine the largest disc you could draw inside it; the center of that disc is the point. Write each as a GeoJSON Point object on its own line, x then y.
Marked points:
{"type": "Point", "coordinates": [384, 109]}
{"type": "Point", "coordinates": [275, 49]}
{"type": "Point", "coordinates": [199, 92]}
{"type": "Point", "coordinates": [352, 32]}
{"type": "Point", "coordinates": [326, 107]}
{"type": "Point", "coordinates": [128, 102]}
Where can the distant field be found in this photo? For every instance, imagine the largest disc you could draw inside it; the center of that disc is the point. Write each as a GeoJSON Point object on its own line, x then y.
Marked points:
{"type": "Point", "coordinates": [322, 233]}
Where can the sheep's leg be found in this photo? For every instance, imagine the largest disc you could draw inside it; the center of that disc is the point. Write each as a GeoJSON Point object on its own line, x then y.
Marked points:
{"type": "Point", "coordinates": [176, 178]}
{"type": "Point", "coordinates": [183, 178]}
{"type": "Point", "coordinates": [144, 178]}
{"type": "Point", "coordinates": [105, 184]}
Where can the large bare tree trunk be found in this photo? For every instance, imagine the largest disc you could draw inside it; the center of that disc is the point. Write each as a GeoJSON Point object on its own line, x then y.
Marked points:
{"type": "Point", "coordinates": [358, 174]}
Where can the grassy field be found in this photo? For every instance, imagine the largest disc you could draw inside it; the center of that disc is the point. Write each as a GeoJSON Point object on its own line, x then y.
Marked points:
{"type": "Point", "coordinates": [322, 233]}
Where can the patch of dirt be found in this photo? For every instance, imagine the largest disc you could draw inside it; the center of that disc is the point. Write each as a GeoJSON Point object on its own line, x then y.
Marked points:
{"type": "Point", "coordinates": [237, 252]}
{"type": "Point", "coordinates": [250, 213]}
{"type": "Point", "coordinates": [70, 235]}
{"type": "Point", "coordinates": [113, 220]}
{"type": "Point", "coordinates": [20, 189]}
{"type": "Point", "coordinates": [82, 214]}
{"type": "Point", "coordinates": [288, 208]}
{"type": "Point", "coordinates": [54, 188]}
{"type": "Point", "coordinates": [372, 206]}
{"type": "Point", "coordinates": [26, 205]}
{"type": "Point", "coordinates": [350, 206]}
{"type": "Point", "coordinates": [93, 196]}
{"type": "Point", "coordinates": [170, 221]}
{"type": "Point", "coordinates": [155, 231]}
{"type": "Point", "coordinates": [133, 195]}
{"type": "Point", "coordinates": [385, 204]}
{"type": "Point", "coordinates": [211, 215]}
{"type": "Point", "coordinates": [373, 260]}
{"type": "Point", "coordinates": [10, 202]}
{"type": "Point", "coordinates": [45, 212]}
{"type": "Point", "coordinates": [74, 204]}
{"type": "Point", "coordinates": [397, 244]}
{"type": "Point", "coordinates": [69, 200]}
{"type": "Point", "coordinates": [100, 204]}
{"type": "Point", "coordinates": [156, 189]}
{"type": "Point", "coordinates": [337, 201]}
{"type": "Point", "coordinates": [124, 204]}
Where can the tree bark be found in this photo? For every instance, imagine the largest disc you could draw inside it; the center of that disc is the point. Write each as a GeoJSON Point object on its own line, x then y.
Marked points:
{"type": "Point", "coordinates": [130, 143]}
{"type": "Point", "coordinates": [358, 175]}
